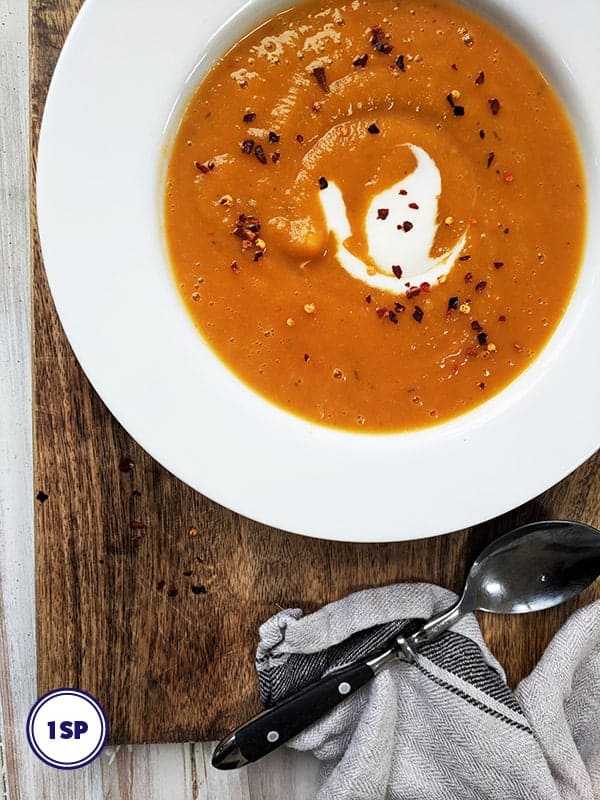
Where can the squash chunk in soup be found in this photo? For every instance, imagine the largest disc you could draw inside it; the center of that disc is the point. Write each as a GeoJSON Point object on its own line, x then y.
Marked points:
{"type": "Point", "coordinates": [375, 213]}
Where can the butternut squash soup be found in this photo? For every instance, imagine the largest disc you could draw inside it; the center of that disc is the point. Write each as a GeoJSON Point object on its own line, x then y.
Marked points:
{"type": "Point", "coordinates": [375, 212]}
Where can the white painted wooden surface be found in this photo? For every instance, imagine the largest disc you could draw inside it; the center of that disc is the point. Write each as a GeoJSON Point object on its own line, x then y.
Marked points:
{"type": "Point", "coordinates": [151, 772]}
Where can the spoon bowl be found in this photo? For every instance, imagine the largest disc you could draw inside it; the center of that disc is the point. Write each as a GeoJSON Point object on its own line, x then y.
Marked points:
{"type": "Point", "coordinates": [534, 567]}
{"type": "Point", "coordinates": [530, 568]}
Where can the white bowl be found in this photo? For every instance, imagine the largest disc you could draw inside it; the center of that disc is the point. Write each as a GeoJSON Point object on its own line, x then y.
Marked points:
{"type": "Point", "coordinates": [99, 183]}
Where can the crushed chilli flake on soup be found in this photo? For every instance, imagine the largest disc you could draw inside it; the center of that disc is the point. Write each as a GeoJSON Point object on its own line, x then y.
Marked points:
{"type": "Point", "coordinates": [375, 213]}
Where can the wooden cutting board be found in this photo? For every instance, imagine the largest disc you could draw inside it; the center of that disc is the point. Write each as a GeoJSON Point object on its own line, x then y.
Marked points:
{"type": "Point", "coordinates": [149, 595]}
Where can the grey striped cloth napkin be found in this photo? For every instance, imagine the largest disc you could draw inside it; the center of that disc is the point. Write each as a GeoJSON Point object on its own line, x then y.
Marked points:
{"type": "Point", "coordinates": [447, 727]}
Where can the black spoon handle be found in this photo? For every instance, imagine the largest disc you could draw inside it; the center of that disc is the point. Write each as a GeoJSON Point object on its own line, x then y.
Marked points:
{"type": "Point", "coordinates": [270, 729]}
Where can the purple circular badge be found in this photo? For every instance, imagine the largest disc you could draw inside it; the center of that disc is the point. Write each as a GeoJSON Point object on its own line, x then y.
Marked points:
{"type": "Point", "coordinates": [67, 728]}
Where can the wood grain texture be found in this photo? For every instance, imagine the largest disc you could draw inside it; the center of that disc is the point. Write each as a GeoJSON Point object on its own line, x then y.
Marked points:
{"type": "Point", "coordinates": [160, 624]}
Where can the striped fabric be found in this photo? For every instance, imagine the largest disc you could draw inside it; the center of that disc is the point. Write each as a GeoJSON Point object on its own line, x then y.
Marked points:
{"type": "Point", "coordinates": [447, 727]}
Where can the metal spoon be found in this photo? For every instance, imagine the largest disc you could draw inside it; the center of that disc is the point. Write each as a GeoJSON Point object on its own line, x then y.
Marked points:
{"type": "Point", "coordinates": [533, 567]}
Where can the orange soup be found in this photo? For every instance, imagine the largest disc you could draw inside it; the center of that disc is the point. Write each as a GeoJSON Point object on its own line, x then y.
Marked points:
{"type": "Point", "coordinates": [375, 213]}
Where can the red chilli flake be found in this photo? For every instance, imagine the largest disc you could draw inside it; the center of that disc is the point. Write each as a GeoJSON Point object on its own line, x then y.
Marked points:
{"type": "Point", "coordinates": [368, 298]}
{"type": "Point", "coordinates": [454, 67]}
{"type": "Point", "coordinates": [494, 104]}
{"type": "Point", "coordinates": [418, 314]}
{"type": "Point", "coordinates": [373, 128]}
{"type": "Point", "coordinates": [379, 40]}
{"type": "Point", "coordinates": [274, 137]}
{"type": "Point", "coordinates": [381, 312]}
{"type": "Point", "coordinates": [490, 158]}
{"type": "Point", "coordinates": [306, 358]}
{"type": "Point", "coordinates": [403, 192]}
{"type": "Point", "coordinates": [382, 213]}
{"type": "Point", "coordinates": [247, 227]}
{"type": "Point", "coordinates": [260, 154]}
{"type": "Point", "coordinates": [250, 116]}
{"type": "Point", "coordinates": [235, 268]}
{"type": "Point", "coordinates": [203, 167]}
{"type": "Point", "coordinates": [361, 61]}
{"type": "Point", "coordinates": [498, 264]}
{"type": "Point", "coordinates": [508, 176]}
{"type": "Point", "coordinates": [400, 64]}
{"type": "Point", "coordinates": [397, 270]}
{"type": "Point", "coordinates": [413, 205]}
{"type": "Point", "coordinates": [482, 338]}
{"type": "Point", "coordinates": [464, 258]}
{"type": "Point", "coordinates": [453, 304]}
{"type": "Point", "coordinates": [275, 157]}
{"type": "Point", "coordinates": [450, 99]}
{"type": "Point", "coordinates": [481, 286]}
{"type": "Point", "coordinates": [476, 326]}
{"type": "Point", "coordinates": [501, 318]}
{"type": "Point", "coordinates": [481, 133]}
{"type": "Point", "coordinates": [392, 317]}
{"type": "Point", "coordinates": [323, 184]}
{"type": "Point", "coordinates": [480, 79]}
{"type": "Point", "coordinates": [248, 146]}
{"type": "Point", "coordinates": [414, 291]}
{"type": "Point", "coordinates": [407, 226]}
{"type": "Point", "coordinates": [299, 138]}
{"type": "Point", "coordinates": [468, 277]}
{"type": "Point", "coordinates": [399, 307]}
{"type": "Point", "coordinates": [425, 287]}
{"type": "Point", "coordinates": [318, 74]}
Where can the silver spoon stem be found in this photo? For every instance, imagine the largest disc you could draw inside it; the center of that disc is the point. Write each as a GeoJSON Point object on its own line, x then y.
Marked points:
{"type": "Point", "coordinates": [430, 630]}
{"type": "Point", "coordinates": [436, 625]}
